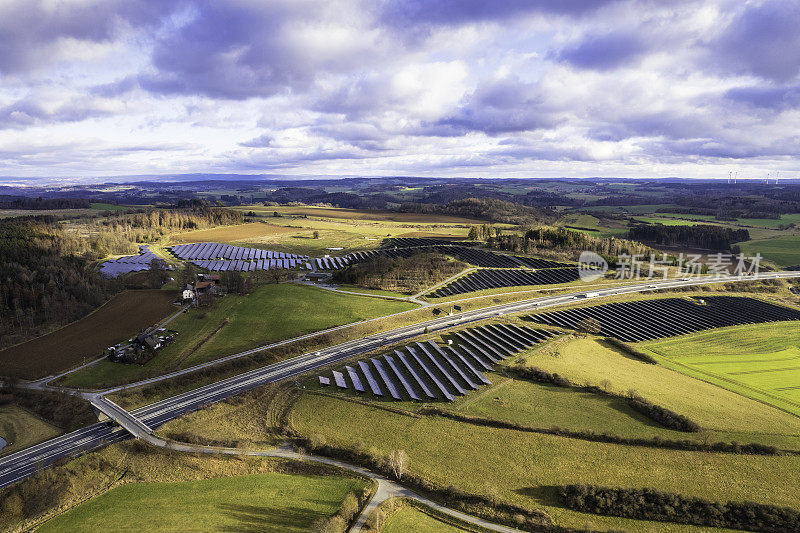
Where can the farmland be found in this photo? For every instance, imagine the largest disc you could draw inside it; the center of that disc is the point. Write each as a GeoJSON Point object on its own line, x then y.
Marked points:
{"type": "Point", "coordinates": [586, 360]}
{"type": "Point", "coordinates": [236, 322]}
{"type": "Point", "coordinates": [522, 467]}
{"type": "Point", "coordinates": [244, 232]}
{"type": "Point", "coordinates": [21, 428]}
{"type": "Point", "coordinates": [759, 361]}
{"type": "Point", "coordinates": [269, 502]}
{"type": "Point", "coordinates": [313, 234]}
{"type": "Point", "coordinates": [362, 214]}
{"type": "Point", "coordinates": [126, 314]}
{"type": "Point", "coordinates": [783, 250]}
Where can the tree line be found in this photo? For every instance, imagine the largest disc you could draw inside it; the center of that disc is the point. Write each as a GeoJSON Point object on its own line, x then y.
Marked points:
{"type": "Point", "coordinates": [490, 209]}
{"type": "Point", "coordinates": [152, 224]}
{"type": "Point", "coordinates": [46, 277]}
{"type": "Point", "coordinates": [547, 240]}
{"type": "Point", "coordinates": [651, 504]}
{"type": "Point", "coordinates": [703, 236]}
{"type": "Point", "coordinates": [22, 202]}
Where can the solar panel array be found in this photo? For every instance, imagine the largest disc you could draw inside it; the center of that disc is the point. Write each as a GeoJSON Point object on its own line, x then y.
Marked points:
{"type": "Point", "coordinates": [132, 263]}
{"type": "Point", "coordinates": [655, 319]}
{"type": "Point", "coordinates": [480, 258]}
{"type": "Point", "coordinates": [218, 257]}
{"type": "Point", "coordinates": [427, 371]}
{"type": "Point", "coordinates": [495, 278]}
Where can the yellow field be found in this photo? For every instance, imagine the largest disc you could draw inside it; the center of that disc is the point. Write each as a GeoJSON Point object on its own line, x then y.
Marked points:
{"type": "Point", "coordinates": [231, 233]}
{"type": "Point", "coordinates": [365, 214]}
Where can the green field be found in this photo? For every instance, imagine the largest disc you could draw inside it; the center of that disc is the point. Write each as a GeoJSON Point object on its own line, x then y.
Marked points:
{"type": "Point", "coordinates": [21, 428]}
{"type": "Point", "coordinates": [783, 250]}
{"type": "Point", "coordinates": [730, 416]}
{"type": "Point", "coordinates": [760, 361]}
{"type": "Point", "coordinates": [543, 406]}
{"type": "Point", "coordinates": [410, 519]}
{"type": "Point", "coordinates": [261, 502]}
{"type": "Point", "coordinates": [523, 468]}
{"type": "Point", "coordinates": [271, 313]}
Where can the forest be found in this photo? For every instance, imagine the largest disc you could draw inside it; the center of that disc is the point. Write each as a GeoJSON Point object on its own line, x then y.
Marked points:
{"type": "Point", "coordinates": [47, 278]}
{"type": "Point", "coordinates": [47, 268]}
{"type": "Point", "coordinates": [552, 241]}
{"type": "Point", "coordinates": [402, 274]}
{"type": "Point", "coordinates": [21, 202]}
{"type": "Point", "coordinates": [491, 209]}
{"type": "Point", "coordinates": [702, 236]}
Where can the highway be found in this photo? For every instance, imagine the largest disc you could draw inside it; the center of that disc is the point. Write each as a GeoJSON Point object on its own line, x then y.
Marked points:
{"type": "Point", "coordinates": [141, 421]}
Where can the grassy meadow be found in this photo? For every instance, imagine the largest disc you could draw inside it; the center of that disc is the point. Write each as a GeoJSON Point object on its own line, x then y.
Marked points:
{"type": "Point", "coordinates": [410, 519]}
{"type": "Point", "coordinates": [20, 428]}
{"type": "Point", "coordinates": [264, 502]}
{"type": "Point", "coordinates": [759, 361]}
{"type": "Point", "coordinates": [524, 468]}
{"type": "Point", "coordinates": [784, 250]}
{"type": "Point", "coordinates": [727, 415]}
{"type": "Point", "coordinates": [271, 313]}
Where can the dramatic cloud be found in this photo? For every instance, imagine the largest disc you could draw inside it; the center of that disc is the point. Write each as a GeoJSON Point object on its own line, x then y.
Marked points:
{"type": "Point", "coordinates": [778, 98]}
{"type": "Point", "coordinates": [411, 14]}
{"type": "Point", "coordinates": [604, 51]}
{"type": "Point", "coordinates": [499, 106]}
{"type": "Point", "coordinates": [37, 33]}
{"type": "Point", "coordinates": [424, 87]}
{"type": "Point", "coordinates": [762, 39]}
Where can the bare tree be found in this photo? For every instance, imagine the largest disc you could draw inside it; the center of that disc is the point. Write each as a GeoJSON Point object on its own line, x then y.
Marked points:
{"type": "Point", "coordinates": [398, 462]}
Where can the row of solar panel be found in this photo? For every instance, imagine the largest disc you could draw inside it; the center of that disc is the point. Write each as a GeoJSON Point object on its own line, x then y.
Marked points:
{"type": "Point", "coordinates": [655, 319]}
{"type": "Point", "coordinates": [495, 278]}
{"type": "Point", "coordinates": [249, 266]}
{"type": "Point", "coordinates": [131, 263]}
{"type": "Point", "coordinates": [481, 258]}
{"type": "Point", "coordinates": [427, 371]}
{"type": "Point", "coordinates": [215, 250]}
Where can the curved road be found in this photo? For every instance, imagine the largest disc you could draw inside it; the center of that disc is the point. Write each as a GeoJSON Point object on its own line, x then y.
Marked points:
{"type": "Point", "coordinates": [25, 462]}
{"type": "Point", "coordinates": [386, 487]}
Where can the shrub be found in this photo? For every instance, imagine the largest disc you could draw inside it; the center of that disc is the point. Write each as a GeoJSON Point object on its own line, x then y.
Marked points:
{"type": "Point", "coordinates": [662, 415]}
{"type": "Point", "coordinates": [650, 504]}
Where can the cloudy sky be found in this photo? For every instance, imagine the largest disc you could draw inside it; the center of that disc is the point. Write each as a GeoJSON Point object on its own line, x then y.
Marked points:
{"type": "Point", "coordinates": [514, 88]}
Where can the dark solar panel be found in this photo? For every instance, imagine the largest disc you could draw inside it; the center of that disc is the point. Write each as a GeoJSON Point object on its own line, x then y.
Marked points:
{"type": "Point", "coordinates": [411, 370]}
{"type": "Point", "coordinates": [426, 349]}
{"type": "Point", "coordinates": [428, 372]}
{"type": "Point", "coordinates": [354, 379]}
{"type": "Point", "coordinates": [400, 376]}
{"type": "Point", "coordinates": [386, 379]}
{"type": "Point", "coordinates": [339, 378]}
{"type": "Point", "coordinates": [373, 384]}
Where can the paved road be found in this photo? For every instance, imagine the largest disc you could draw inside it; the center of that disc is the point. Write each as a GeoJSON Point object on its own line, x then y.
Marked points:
{"type": "Point", "coordinates": [25, 462]}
